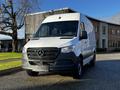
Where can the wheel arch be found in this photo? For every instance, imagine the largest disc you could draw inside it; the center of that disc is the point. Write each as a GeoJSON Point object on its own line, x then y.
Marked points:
{"type": "Point", "coordinates": [81, 58]}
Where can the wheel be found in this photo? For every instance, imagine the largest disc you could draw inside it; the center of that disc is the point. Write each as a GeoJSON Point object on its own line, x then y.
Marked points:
{"type": "Point", "coordinates": [32, 73]}
{"type": "Point", "coordinates": [78, 72]}
{"type": "Point", "coordinates": [92, 62]}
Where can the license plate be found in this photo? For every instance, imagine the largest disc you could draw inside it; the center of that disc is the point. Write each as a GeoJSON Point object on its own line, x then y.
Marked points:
{"type": "Point", "coordinates": [44, 68]}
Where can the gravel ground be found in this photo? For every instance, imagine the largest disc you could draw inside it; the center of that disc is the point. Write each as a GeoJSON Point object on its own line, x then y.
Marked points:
{"type": "Point", "coordinates": [104, 76]}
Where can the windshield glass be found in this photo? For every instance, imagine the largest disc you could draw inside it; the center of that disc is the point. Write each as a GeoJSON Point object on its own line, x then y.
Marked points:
{"type": "Point", "coordinates": [56, 29]}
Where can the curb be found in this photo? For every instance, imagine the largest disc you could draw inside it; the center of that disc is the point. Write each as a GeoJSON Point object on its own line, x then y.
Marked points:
{"type": "Point", "coordinates": [10, 71]}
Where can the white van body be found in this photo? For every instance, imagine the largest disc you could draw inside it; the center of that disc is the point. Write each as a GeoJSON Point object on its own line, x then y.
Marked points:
{"type": "Point", "coordinates": [62, 51]}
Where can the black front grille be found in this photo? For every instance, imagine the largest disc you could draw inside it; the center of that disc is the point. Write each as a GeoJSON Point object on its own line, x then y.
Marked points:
{"type": "Point", "coordinates": [42, 53]}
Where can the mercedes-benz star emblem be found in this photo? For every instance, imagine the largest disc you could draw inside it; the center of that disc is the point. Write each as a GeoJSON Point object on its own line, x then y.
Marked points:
{"type": "Point", "coordinates": [41, 53]}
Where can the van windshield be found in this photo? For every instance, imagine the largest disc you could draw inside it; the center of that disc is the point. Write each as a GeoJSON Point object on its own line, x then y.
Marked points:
{"type": "Point", "coordinates": [57, 29]}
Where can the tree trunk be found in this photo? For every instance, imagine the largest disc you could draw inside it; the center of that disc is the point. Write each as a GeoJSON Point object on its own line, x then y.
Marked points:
{"type": "Point", "coordinates": [14, 45]}
{"type": "Point", "coordinates": [14, 35]}
{"type": "Point", "coordinates": [14, 42]}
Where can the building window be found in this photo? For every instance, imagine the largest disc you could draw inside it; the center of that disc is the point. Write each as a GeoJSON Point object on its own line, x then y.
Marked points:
{"type": "Point", "coordinates": [96, 28]}
{"type": "Point", "coordinates": [113, 44]}
{"type": "Point", "coordinates": [118, 32]}
{"type": "Point", "coordinates": [104, 30]}
{"type": "Point", "coordinates": [103, 43]}
{"type": "Point", "coordinates": [110, 43]}
{"type": "Point", "coordinates": [113, 31]}
{"type": "Point", "coordinates": [118, 43]}
{"type": "Point", "coordinates": [97, 43]}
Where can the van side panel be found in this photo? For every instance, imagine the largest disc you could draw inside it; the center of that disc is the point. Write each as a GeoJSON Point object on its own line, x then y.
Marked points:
{"type": "Point", "coordinates": [90, 32]}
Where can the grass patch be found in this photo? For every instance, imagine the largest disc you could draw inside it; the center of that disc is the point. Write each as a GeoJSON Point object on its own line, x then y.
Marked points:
{"type": "Point", "coordinates": [8, 65]}
{"type": "Point", "coordinates": [10, 55]}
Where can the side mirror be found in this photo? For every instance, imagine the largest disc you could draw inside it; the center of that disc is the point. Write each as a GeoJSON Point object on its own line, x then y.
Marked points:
{"type": "Point", "coordinates": [83, 35]}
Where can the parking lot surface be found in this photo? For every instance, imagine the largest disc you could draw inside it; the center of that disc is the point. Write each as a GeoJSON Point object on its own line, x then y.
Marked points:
{"type": "Point", "coordinates": [104, 76]}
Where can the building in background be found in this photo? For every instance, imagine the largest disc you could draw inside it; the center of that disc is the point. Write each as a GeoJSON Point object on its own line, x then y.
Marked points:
{"type": "Point", "coordinates": [6, 45]}
{"type": "Point", "coordinates": [107, 35]}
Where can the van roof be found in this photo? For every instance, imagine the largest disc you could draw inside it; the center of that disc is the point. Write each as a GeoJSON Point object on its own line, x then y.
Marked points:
{"type": "Point", "coordinates": [62, 17]}
{"type": "Point", "coordinates": [50, 11]}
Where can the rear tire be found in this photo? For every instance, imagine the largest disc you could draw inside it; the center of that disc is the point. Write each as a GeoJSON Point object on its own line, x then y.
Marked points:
{"type": "Point", "coordinates": [92, 62]}
{"type": "Point", "coordinates": [32, 73]}
{"type": "Point", "coordinates": [78, 71]}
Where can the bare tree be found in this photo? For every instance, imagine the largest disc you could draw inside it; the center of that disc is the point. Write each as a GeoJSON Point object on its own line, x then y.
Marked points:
{"type": "Point", "coordinates": [12, 14]}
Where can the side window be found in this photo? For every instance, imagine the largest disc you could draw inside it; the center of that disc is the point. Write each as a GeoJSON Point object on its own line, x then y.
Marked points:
{"type": "Point", "coordinates": [82, 26]}
{"type": "Point", "coordinates": [83, 33]}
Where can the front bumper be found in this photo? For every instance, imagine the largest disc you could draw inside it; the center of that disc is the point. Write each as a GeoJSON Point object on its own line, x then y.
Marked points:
{"type": "Point", "coordinates": [63, 62]}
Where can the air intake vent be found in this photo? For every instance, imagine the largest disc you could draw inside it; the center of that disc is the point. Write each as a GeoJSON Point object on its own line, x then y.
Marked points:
{"type": "Point", "coordinates": [42, 53]}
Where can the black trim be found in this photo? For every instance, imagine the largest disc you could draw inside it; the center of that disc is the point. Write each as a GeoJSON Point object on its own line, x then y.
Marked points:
{"type": "Point", "coordinates": [47, 53]}
{"type": "Point", "coordinates": [64, 62]}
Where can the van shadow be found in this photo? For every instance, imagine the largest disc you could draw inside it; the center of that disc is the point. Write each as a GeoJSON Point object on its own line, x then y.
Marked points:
{"type": "Point", "coordinates": [104, 76]}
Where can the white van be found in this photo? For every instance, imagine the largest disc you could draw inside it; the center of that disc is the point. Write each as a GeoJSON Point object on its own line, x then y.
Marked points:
{"type": "Point", "coordinates": [63, 42]}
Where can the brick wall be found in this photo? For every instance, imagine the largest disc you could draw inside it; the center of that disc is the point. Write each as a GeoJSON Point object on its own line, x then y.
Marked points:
{"type": "Point", "coordinates": [114, 37]}
{"type": "Point", "coordinates": [113, 34]}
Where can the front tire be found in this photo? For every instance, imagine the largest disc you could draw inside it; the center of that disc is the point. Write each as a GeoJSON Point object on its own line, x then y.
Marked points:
{"type": "Point", "coordinates": [92, 62]}
{"type": "Point", "coordinates": [32, 73]}
{"type": "Point", "coordinates": [78, 71]}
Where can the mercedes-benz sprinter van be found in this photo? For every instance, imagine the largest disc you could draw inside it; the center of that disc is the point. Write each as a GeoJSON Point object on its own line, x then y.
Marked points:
{"type": "Point", "coordinates": [63, 42]}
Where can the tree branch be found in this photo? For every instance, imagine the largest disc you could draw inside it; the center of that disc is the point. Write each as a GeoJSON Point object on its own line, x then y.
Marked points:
{"type": "Point", "coordinates": [18, 11]}
{"type": "Point", "coordinates": [6, 22]}
{"type": "Point", "coordinates": [6, 10]}
{"type": "Point", "coordinates": [20, 26]}
{"type": "Point", "coordinates": [6, 27]}
{"type": "Point", "coordinates": [6, 33]}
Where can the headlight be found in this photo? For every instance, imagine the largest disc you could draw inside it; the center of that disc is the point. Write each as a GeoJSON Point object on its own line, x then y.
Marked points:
{"type": "Point", "coordinates": [67, 49]}
{"type": "Point", "coordinates": [24, 50]}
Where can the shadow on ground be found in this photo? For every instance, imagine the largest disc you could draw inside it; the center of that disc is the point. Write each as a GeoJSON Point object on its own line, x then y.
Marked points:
{"type": "Point", "coordinates": [10, 71]}
{"type": "Point", "coordinates": [104, 76]}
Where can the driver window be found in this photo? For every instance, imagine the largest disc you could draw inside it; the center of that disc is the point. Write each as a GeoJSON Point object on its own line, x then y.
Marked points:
{"type": "Point", "coordinates": [82, 26]}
